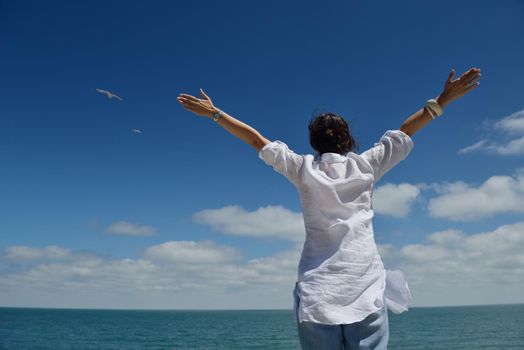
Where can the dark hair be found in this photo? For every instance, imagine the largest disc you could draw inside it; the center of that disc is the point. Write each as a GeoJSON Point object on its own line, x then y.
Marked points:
{"type": "Point", "coordinates": [329, 133]}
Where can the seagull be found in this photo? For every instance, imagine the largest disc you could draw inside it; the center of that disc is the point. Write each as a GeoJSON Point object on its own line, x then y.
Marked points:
{"type": "Point", "coordinates": [109, 94]}
{"type": "Point", "coordinates": [137, 131]}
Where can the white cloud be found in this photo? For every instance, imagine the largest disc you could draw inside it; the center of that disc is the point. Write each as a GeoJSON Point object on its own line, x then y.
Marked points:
{"type": "Point", "coordinates": [512, 147]}
{"type": "Point", "coordinates": [453, 268]}
{"type": "Point", "coordinates": [269, 221]}
{"type": "Point", "coordinates": [190, 252]}
{"type": "Point", "coordinates": [460, 201]}
{"type": "Point", "coordinates": [512, 124]}
{"type": "Point", "coordinates": [477, 146]}
{"type": "Point", "coordinates": [24, 254]}
{"type": "Point", "coordinates": [129, 229]}
{"type": "Point", "coordinates": [280, 268]}
{"type": "Point", "coordinates": [394, 200]}
{"type": "Point", "coordinates": [446, 238]}
{"type": "Point", "coordinates": [512, 128]}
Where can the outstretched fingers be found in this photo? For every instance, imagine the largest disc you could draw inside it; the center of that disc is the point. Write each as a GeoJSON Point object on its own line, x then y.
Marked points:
{"type": "Point", "coordinates": [188, 106]}
{"type": "Point", "coordinates": [469, 80]}
{"type": "Point", "coordinates": [186, 103]}
{"type": "Point", "coordinates": [204, 94]}
{"type": "Point", "coordinates": [189, 97]}
{"type": "Point", "coordinates": [200, 106]}
{"type": "Point", "coordinates": [470, 75]}
{"type": "Point", "coordinates": [472, 79]}
{"type": "Point", "coordinates": [451, 75]}
{"type": "Point", "coordinates": [472, 86]}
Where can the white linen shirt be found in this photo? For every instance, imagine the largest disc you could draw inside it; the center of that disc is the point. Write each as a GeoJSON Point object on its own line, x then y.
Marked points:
{"type": "Point", "coordinates": [341, 278]}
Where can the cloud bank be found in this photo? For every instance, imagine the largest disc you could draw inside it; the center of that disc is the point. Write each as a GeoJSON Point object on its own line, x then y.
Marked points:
{"type": "Point", "coordinates": [174, 274]}
{"type": "Point", "coordinates": [449, 268]}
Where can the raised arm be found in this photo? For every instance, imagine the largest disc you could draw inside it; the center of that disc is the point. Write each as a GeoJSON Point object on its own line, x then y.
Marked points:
{"type": "Point", "coordinates": [453, 89]}
{"type": "Point", "coordinates": [204, 107]}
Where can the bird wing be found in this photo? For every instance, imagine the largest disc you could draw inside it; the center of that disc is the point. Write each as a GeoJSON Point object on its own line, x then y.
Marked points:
{"type": "Point", "coordinates": [109, 94]}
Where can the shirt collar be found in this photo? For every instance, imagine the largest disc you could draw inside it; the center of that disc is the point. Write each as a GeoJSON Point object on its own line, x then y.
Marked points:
{"type": "Point", "coordinates": [331, 157]}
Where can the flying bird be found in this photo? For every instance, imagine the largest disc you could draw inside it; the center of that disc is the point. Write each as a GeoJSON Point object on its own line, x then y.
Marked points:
{"type": "Point", "coordinates": [137, 131]}
{"type": "Point", "coordinates": [109, 94]}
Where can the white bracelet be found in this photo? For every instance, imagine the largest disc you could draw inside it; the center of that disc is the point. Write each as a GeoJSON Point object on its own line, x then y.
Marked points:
{"type": "Point", "coordinates": [434, 107]}
{"type": "Point", "coordinates": [430, 112]}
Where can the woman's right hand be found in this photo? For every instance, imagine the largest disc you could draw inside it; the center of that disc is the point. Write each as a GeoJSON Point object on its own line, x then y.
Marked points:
{"type": "Point", "coordinates": [200, 106]}
{"type": "Point", "coordinates": [454, 89]}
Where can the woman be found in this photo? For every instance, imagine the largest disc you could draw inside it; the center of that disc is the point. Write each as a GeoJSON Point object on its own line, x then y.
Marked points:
{"type": "Point", "coordinates": [343, 291]}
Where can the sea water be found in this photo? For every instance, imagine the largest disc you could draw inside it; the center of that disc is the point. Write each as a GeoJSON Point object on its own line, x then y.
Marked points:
{"type": "Point", "coordinates": [468, 327]}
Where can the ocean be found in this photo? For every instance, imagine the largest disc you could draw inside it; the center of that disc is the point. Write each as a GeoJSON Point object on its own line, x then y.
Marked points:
{"type": "Point", "coordinates": [466, 327]}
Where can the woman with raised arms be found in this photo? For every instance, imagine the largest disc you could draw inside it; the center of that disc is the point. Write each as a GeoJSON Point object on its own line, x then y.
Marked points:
{"type": "Point", "coordinates": [343, 291]}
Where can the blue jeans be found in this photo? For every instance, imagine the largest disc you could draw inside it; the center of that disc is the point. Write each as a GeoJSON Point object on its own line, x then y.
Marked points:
{"type": "Point", "coordinates": [370, 333]}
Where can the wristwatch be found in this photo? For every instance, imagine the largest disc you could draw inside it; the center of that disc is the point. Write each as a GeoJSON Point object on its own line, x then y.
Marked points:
{"type": "Point", "coordinates": [217, 116]}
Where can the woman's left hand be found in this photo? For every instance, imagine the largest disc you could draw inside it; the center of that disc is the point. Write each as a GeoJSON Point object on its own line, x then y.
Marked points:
{"type": "Point", "coordinates": [456, 88]}
{"type": "Point", "coordinates": [203, 107]}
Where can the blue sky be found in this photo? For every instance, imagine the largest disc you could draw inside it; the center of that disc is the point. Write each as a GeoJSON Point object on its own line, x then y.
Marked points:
{"type": "Point", "coordinates": [82, 193]}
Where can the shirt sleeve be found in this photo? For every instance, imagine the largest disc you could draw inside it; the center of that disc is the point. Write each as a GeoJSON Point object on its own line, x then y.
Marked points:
{"type": "Point", "coordinates": [283, 160]}
{"type": "Point", "coordinates": [393, 146]}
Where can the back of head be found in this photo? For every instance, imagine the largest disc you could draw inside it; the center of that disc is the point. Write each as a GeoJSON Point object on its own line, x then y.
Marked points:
{"type": "Point", "coordinates": [329, 133]}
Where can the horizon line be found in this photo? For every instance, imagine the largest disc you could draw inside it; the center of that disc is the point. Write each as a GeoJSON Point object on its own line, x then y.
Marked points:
{"type": "Point", "coordinates": [200, 310]}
